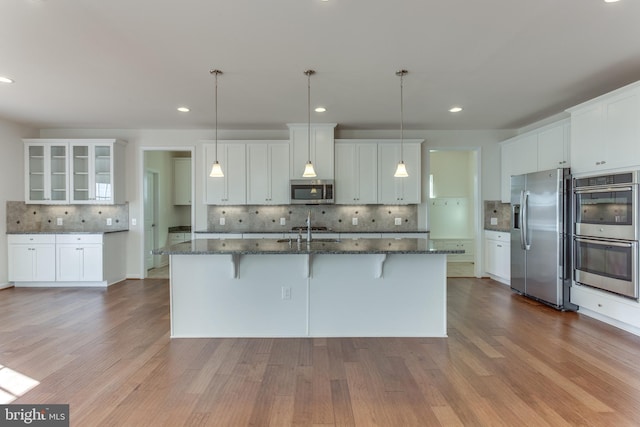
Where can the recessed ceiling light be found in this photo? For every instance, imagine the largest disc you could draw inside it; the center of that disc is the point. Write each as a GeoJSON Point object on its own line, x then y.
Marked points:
{"type": "Point", "coordinates": [611, 1]}
{"type": "Point", "coordinates": [320, 110]}
{"type": "Point", "coordinates": [4, 79]}
{"type": "Point", "coordinates": [183, 109]}
{"type": "Point", "coordinates": [455, 109]}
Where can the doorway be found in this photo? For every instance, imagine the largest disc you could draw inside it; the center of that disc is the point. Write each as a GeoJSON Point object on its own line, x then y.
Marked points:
{"type": "Point", "coordinates": [453, 207]}
{"type": "Point", "coordinates": [167, 192]}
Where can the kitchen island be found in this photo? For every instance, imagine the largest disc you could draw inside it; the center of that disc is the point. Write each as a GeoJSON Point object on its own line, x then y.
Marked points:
{"type": "Point", "coordinates": [328, 288]}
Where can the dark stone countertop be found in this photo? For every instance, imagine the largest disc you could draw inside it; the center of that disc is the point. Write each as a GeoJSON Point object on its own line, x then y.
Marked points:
{"type": "Point", "coordinates": [289, 231]}
{"type": "Point", "coordinates": [317, 246]}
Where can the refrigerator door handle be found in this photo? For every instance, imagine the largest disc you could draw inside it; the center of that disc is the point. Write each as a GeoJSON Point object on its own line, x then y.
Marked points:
{"type": "Point", "coordinates": [524, 226]}
{"type": "Point", "coordinates": [520, 221]}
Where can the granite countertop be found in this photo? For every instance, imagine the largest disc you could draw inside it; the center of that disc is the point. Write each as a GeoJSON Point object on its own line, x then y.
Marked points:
{"type": "Point", "coordinates": [67, 232]}
{"type": "Point", "coordinates": [180, 229]}
{"type": "Point", "coordinates": [317, 246]}
{"type": "Point", "coordinates": [502, 230]}
{"type": "Point", "coordinates": [289, 231]}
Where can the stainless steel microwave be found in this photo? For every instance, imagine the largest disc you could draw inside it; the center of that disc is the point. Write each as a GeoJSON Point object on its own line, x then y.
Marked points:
{"type": "Point", "coordinates": [312, 191]}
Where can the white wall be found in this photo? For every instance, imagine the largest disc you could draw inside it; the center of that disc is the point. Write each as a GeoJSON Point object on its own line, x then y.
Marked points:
{"type": "Point", "coordinates": [487, 140]}
{"type": "Point", "coordinates": [11, 178]}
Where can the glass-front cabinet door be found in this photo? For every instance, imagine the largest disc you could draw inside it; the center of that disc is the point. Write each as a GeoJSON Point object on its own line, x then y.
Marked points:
{"type": "Point", "coordinates": [103, 188]}
{"type": "Point", "coordinates": [92, 176]}
{"type": "Point", "coordinates": [47, 180]}
{"type": "Point", "coordinates": [80, 176]}
{"type": "Point", "coordinates": [59, 174]}
{"type": "Point", "coordinates": [35, 165]}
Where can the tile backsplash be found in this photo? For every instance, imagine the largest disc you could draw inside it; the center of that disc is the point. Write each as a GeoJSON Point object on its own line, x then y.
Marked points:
{"type": "Point", "coordinates": [500, 211]}
{"type": "Point", "coordinates": [23, 218]}
{"type": "Point", "coordinates": [370, 218]}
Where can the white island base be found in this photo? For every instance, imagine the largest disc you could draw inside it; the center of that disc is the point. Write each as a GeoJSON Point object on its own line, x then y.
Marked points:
{"type": "Point", "coordinates": [308, 295]}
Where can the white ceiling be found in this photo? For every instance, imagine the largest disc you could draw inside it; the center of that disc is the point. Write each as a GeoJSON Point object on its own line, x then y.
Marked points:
{"type": "Point", "coordinates": [131, 63]}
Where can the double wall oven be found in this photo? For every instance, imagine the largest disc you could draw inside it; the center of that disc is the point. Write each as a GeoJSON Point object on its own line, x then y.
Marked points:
{"type": "Point", "coordinates": [605, 250]}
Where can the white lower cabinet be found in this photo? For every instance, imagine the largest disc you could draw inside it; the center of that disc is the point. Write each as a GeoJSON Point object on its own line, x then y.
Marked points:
{"type": "Point", "coordinates": [175, 238]}
{"type": "Point", "coordinates": [610, 308]}
{"type": "Point", "coordinates": [455, 245]}
{"type": "Point", "coordinates": [79, 258]}
{"type": "Point", "coordinates": [67, 259]}
{"type": "Point", "coordinates": [32, 257]}
{"type": "Point", "coordinates": [497, 250]}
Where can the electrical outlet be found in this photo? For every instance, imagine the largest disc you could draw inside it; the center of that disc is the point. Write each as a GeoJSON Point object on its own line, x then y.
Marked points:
{"type": "Point", "coordinates": [283, 221]}
{"type": "Point", "coordinates": [286, 292]}
{"type": "Point", "coordinates": [398, 221]}
{"type": "Point", "coordinates": [134, 221]}
{"type": "Point", "coordinates": [59, 221]}
{"type": "Point", "coordinates": [494, 221]}
{"type": "Point", "coordinates": [109, 221]}
{"type": "Point", "coordinates": [222, 220]}
{"type": "Point", "coordinates": [354, 221]}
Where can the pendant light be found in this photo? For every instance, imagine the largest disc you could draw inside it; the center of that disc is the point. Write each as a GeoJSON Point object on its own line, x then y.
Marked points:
{"type": "Point", "coordinates": [401, 170]}
{"type": "Point", "coordinates": [309, 172]}
{"type": "Point", "coordinates": [216, 169]}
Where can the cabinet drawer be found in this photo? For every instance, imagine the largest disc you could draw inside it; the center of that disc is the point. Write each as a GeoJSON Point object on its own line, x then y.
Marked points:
{"type": "Point", "coordinates": [79, 238]}
{"type": "Point", "coordinates": [25, 239]}
{"type": "Point", "coordinates": [497, 235]}
{"type": "Point", "coordinates": [615, 307]}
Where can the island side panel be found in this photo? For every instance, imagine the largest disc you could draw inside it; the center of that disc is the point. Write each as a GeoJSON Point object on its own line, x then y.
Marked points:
{"type": "Point", "coordinates": [346, 298]}
{"type": "Point", "coordinates": [207, 301]}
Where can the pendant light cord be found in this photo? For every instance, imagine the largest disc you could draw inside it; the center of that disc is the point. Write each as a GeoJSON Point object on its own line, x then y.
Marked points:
{"type": "Point", "coordinates": [401, 73]}
{"type": "Point", "coordinates": [309, 116]}
{"type": "Point", "coordinates": [215, 73]}
{"type": "Point", "coordinates": [309, 73]}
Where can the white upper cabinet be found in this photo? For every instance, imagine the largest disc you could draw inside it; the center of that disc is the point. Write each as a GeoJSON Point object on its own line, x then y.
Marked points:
{"type": "Point", "coordinates": [232, 188]}
{"type": "Point", "coordinates": [320, 150]}
{"type": "Point", "coordinates": [182, 181]}
{"type": "Point", "coordinates": [356, 173]}
{"type": "Point", "coordinates": [268, 173]}
{"type": "Point", "coordinates": [97, 171]}
{"type": "Point", "coordinates": [605, 132]}
{"type": "Point", "coordinates": [77, 171]}
{"type": "Point", "coordinates": [540, 149]}
{"type": "Point", "coordinates": [553, 146]}
{"type": "Point", "coordinates": [399, 191]}
{"type": "Point", "coordinates": [46, 171]}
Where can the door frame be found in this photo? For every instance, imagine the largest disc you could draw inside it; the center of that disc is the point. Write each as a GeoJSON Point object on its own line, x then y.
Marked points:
{"type": "Point", "coordinates": [142, 170]}
{"type": "Point", "coordinates": [478, 256]}
{"type": "Point", "coordinates": [153, 175]}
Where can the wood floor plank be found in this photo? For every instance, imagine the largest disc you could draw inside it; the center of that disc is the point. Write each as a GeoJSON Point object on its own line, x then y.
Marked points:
{"type": "Point", "coordinates": [507, 361]}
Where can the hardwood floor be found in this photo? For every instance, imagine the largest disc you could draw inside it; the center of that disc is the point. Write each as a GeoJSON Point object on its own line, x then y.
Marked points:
{"type": "Point", "coordinates": [508, 361]}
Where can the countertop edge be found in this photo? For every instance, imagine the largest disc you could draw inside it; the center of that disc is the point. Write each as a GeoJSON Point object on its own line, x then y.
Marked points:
{"type": "Point", "coordinates": [65, 232]}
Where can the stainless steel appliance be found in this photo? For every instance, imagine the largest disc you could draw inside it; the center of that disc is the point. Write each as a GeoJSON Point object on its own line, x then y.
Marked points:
{"type": "Point", "coordinates": [312, 191]}
{"type": "Point", "coordinates": [541, 236]}
{"type": "Point", "coordinates": [610, 265]}
{"type": "Point", "coordinates": [607, 206]}
{"type": "Point", "coordinates": [606, 233]}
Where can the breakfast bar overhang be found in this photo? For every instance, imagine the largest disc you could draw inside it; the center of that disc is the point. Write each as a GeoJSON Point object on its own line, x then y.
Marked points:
{"type": "Point", "coordinates": [271, 288]}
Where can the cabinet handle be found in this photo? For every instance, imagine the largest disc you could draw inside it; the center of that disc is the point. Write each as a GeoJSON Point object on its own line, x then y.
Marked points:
{"type": "Point", "coordinates": [499, 246]}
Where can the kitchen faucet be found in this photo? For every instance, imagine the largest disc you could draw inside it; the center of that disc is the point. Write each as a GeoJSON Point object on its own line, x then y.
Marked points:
{"type": "Point", "coordinates": [309, 227]}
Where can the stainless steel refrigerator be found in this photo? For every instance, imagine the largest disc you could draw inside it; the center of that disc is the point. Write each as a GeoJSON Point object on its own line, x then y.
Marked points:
{"type": "Point", "coordinates": [541, 236]}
